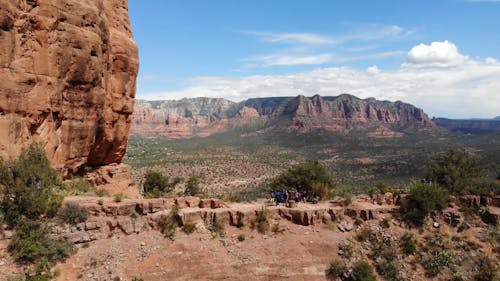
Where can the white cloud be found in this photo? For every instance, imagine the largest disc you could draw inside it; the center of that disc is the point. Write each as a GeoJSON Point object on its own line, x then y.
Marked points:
{"type": "Point", "coordinates": [469, 89]}
{"type": "Point", "coordinates": [373, 69]}
{"type": "Point", "coordinates": [490, 60]}
{"type": "Point", "coordinates": [300, 38]}
{"type": "Point", "coordinates": [366, 32]}
{"type": "Point", "coordinates": [286, 59]}
{"type": "Point", "coordinates": [437, 54]}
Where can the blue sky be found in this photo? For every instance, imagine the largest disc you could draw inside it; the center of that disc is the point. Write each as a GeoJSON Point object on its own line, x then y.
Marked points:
{"type": "Point", "coordinates": [439, 55]}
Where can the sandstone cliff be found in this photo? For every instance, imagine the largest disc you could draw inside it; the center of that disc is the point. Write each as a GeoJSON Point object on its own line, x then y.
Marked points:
{"type": "Point", "coordinates": [67, 79]}
{"type": "Point", "coordinates": [203, 116]}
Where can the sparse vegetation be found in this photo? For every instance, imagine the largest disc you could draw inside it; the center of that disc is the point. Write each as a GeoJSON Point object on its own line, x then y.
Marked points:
{"type": "Point", "coordinates": [408, 243]}
{"type": "Point", "coordinates": [189, 227]}
{"type": "Point", "coordinates": [438, 261]}
{"type": "Point", "coordinates": [262, 221]}
{"type": "Point", "coordinates": [216, 226]}
{"type": "Point", "coordinates": [241, 237]}
{"type": "Point", "coordinates": [119, 197]}
{"type": "Point", "coordinates": [423, 199]}
{"type": "Point", "coordinates": [72, 214]}
{"type": "Point", "coordinates": [337, 269]}
{"type": "Point", "coordinates": [168, 223]}
{"type": "Point", "coordinates": [363, 271]}
{"type": "Point", "coordinates": [193, 186]}
{"type": "Point", "coordinates": [157, 185]}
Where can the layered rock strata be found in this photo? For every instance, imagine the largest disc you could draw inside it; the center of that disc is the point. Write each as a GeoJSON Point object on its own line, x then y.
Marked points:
{"type": "Point", "coordinates": [67, 79]}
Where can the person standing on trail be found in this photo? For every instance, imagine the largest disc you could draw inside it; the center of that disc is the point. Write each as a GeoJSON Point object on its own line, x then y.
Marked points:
{"type": "Point", "coordinates": [285, 197]}
{"type": "Point", "coordinates": [278, 197]}
{"type": "Point", "coordinates": [296, 196]}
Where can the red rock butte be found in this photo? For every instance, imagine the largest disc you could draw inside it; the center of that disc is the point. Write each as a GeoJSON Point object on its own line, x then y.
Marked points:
{"type": "Point", "coordinates": [67, 80]}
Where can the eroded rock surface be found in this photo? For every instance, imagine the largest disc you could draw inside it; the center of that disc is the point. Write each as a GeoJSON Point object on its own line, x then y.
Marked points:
{"type": "Point", "coordinates": [67, 79]}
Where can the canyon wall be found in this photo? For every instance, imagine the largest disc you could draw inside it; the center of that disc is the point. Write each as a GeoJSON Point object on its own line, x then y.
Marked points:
{"type": "Point", "coordinates": [67, 80]}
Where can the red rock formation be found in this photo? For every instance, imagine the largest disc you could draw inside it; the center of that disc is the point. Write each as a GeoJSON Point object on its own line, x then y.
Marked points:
{"type": "Point", "coordinates": [204, 116]}
{"type": "Point", "coordinates": [67, 79]}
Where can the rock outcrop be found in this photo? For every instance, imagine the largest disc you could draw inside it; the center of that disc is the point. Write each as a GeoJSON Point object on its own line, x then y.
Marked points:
{"type": "Point", "coordinates": [204, 116]}
{"type": "Point", "coordinates": [68, 77]}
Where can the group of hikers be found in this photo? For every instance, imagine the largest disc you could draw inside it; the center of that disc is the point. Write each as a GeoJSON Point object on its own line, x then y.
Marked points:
{"type": "Point", "coordinates": [284, 196]}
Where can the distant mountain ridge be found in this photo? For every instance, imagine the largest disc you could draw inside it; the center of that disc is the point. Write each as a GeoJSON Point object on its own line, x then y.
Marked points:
{"type": "Point", "coordinates": [470, 126]}
{"type": "Point", "coordinates": [206, 116]}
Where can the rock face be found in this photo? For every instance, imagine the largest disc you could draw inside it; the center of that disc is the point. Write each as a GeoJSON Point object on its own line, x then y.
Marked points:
{"type": "Point", "coordinates": [67, 79]}
{"type": "Point", "coordinates": [204, 116]}
{"type": "Point", "coordinates": [470, 126]}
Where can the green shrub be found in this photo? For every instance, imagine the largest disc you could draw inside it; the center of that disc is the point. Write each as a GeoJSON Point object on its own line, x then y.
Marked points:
{"type": "Point", "coordinates": [101, 192]}
{"type": "Point", "coordinates": [193, 186]}
{"type": "Point", "coordinates": [438, 261]}
{"type": "Point", "coordinates": [311, 179]}
{"type": "Point", "coordinates": [119, 197]}
{"type": "Point", "coordinates": [345, 250]}
{"type": "Point", "coordinates": [32, 187]}
{"type": "Point", "coordinates": [423, 199]}
{"type": "Point", "coordinates": [189, 227]}
{"type": "Point", "coordinates": [216, 227]}
{"type": "Point", "coordinates": [363, 271]}
{"type": "Point", "coordinates": [72, 214]}
{"type": "Point", "coordinates": [389, 270]}
{"type": "Point", "coordinates": [156, 184]}
{"type": "Point", "coordinates": [31, 243]}
{"type": "Point", "coordinates": [241, 237]}
{"type": "Point", "coordinates": [487, 270]}
{"type": "Point", "coordinates": [78, 186]}
{"type": "Point", "coordinates": [408, 243]}
{"type": "Point", "coordinates": [455, 170]}
{"type": "Point", "coordinates": [168, 223]}
{"type": "Point", "coordinates": [337, 269]}
{"type": "Point", "coordinates": [262, 221]}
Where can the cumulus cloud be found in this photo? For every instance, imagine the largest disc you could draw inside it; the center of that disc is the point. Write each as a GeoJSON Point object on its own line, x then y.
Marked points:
{"type": "Point", "coordinates": [468, 89]}
{"type": "Point", "coordinates": [437, 54]}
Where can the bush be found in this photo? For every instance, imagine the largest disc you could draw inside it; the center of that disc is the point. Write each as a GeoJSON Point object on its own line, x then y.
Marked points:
{"type": "Point", "coordinates": [364, 234]}
{"type": "Point", "coordinates": [345, 250]}
{"type": "Point", "coordinates": [168, 223]}
{"type": "Point", "coordinates": [156, 184]}
{"type": "Point", "coordinates": [193, 186]}
{"type": "Point", "coordinates": [363, 271]}
{"type": "Point", "coordinates": [337, 269]}
{"type": "Point", "coordinates": [262, 222]}
{"type": "Point", "coordinates": [216, 227]}
{"type": "Point", "coordinates": [437, 262]}
{"type": "Point", "coordinates": [389, 270]}
{"type": "Point", "coordinates": [119, 197]}
{"type": "Point", "coordinates": [241, 237]}
{"type": "Point", "coordinates": [31, 243]}
{"type": "Point", "coordinates": [408, 243]}
{"type": "Point", "coordinates": [31, 187]}
{"type": "Point", "coordinates": [189, 227]}
{"type": "Point", "coordinates": [311, 179]}
{"type": "Point", "coordinates": [487, 270]}
{"type": "Point", "coordinates": [72, 214]}
{"type": "Point", "coordinates": [455, 170]}
{"type": "Point", "coordinates": [423, 199]}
